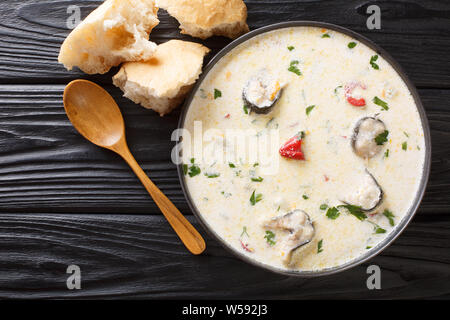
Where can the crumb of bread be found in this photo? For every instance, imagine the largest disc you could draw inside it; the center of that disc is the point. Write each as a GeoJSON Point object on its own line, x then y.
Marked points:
{"type": "Point", "coordinates": [162, 82]}
{"type": "Point", "coordinates": [115, 32]}
{"type": "Point", "coordinates": [205, 18]}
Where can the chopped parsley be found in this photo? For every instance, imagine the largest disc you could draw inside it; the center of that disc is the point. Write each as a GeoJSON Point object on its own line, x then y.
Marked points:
{"type": "Point", "coordinates": [351, 45]}
{"type": "Point", "coordinates": [372, 62]}
{"type": "Point", "coordinates": [325, 35]}
{"type": "Point", "coordinates": [232, 165]}
{"type": "Point", "coordinates": [256, 164]}
{"type": "Point", "coordinates": [185, 169]}
{"type": "Point", "coordinates": [309, 109]}
{"type": "Point", "coordinates": [323, 206]}
{"type": "Point", "coordinates": [319, 246]}
{"type": "Point", "coordinates": [244, 232]}
{"type": "Point", "coordinates": [293, 67]}
{"type": "Point", "coordinates": [369, 247]}
{"type": "Point", "coordinates": [290, 48]}
{"type": "Point", "coordinates": [255, 198]}
{"type": "Point", "coordinates": [386, 153]}
{"type": "Point", "coordinates": [336, 89]}
{"type": "Point", "coordinates": [333, 213]}
{"type": "Point", "coordinates": [270, 236]}
{"type": "Point", "coordinates": [388, 214]}
{"type": "Point", "coordinates": [245, 109]}
{"type": "Point", "coordinates": [305, 197]}
{"type": "Point", "coordinates": [405, 145]}
{"type": "Point", "coordinates": [194, 169]}
{"type": "Point", "coordinates": [381, 138]}
{"type": "Point", "coordinates": [381, 103]}
{"type": "Point", "coordinates": [354, 210]}
{"type": "Point", "coordinates": [212, 175]}
{"type": "Point", "coordinates": [217, 93]}
{"type": "Point", "coordinates": [259, 179]}
{"type": "Point", "coordinates": [377, 229]}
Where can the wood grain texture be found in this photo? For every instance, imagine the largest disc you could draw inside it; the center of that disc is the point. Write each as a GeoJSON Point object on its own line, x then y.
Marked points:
{"type": "Point", "coordinates": [138, 257]}
{"type": "Point", "coordinates": [415, 32]}
{"type": "Point", "coordinates": [65, 201]}
{"type": "Point", "coordinates": [46, 165]}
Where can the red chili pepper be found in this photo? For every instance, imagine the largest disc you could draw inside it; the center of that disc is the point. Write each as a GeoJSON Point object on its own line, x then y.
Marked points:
{"type": "Point", "coordinates": [227, 116]}
{"type": "Point", "coordinates": [293, 148]}
{"type": "Point", "coordinates": [348, 91]}
{"type": "Point", "coordinates": [326, 178]}
{"type": "Point", "coordinates": [245, 246]}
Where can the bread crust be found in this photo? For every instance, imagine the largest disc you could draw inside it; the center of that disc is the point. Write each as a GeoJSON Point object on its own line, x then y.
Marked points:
{"type": "Point", "coordinates": [162, 82]}
{"type": "Point", "coordinates": [205, 18]}
{"type": "Point", "coordinates": [116, 31]}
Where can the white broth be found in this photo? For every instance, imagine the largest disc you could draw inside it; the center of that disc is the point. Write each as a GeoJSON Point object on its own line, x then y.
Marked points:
{"type": "Point", "coordinates": [323, 79]}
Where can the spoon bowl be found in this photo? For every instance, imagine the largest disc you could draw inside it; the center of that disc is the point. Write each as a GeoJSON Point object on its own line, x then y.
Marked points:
{"type": "Point", "coordinates": [95, 114]}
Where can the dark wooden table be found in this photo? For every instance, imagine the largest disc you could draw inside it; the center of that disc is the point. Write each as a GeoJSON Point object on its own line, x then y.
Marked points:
{"type": "Point", "coordinates": [64, 201]}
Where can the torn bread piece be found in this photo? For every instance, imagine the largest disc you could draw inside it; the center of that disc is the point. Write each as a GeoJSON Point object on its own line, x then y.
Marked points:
{"type": "Point", "coordinates": [162, 82]}
{"type": "Point", "coordinates": [116, 31]}
{"type": "Point", "coordinates": [205, 18]}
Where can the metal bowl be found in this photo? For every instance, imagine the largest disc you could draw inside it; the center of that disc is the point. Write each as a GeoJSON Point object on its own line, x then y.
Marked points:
{"type": "Point", "coordinates": [426, 169]}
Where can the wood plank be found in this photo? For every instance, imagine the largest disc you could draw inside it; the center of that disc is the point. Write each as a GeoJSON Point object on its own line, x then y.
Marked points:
{"type": "Point", "coordinates": [46, 166]}
{"type": "Point", "coordinates": [140, 257]}
{"type": "Point", "coordinates": [414, 32]}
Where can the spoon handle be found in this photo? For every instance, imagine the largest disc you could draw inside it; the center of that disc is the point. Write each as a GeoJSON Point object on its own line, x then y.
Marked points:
{"type": "Point", "coordinates": [184, 229]}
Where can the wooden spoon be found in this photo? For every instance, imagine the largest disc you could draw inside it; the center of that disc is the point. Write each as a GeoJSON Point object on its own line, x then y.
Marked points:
{"type": "Point", "coordinates": [95, 114]}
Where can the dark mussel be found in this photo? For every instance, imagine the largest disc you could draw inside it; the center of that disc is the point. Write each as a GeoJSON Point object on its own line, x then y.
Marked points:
{"type": "Point", "coordinates": [368, 195]}
{"type": "Point", "coordinates": [364, 134]}
{"type": "Point", "coordinates": [299, 227]}
{"type": "Point", "coordinates": [261, 92]}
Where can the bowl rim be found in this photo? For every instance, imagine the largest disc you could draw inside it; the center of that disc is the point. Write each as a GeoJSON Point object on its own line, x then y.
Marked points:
{"type": "Point", "coordinates": [426, 166]}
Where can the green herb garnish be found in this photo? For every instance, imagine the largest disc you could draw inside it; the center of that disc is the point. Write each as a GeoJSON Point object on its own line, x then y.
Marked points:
{"type": "Point", "coordinates": [377, 229]}
{"type": "Point", "coordinates": [326, 35]}
{"type": "Point", "coordinates": [386, 153]}
{"type": "Point", "coordinates": [372, 62]}
{"type": "Point", "coordinates": [388, 214]}
{"type": "Point", "coordinates": [336, 89]}
{"type": "Point", "coordinates": [245, 109]}
{"type": "Point", "coordinates": [333, 213]}
{"type": "Point", "coordinates": [319, 246]}
{"type": "Point", "coordinates": [351, 45]}
{"type": "Point", "coordinates": [244, 232]}
{"type": "Point", "coordinates": [405, 145]}
{"type": "Point", "coordinates": [381, 103]}
{"type": "Point", "coordinates": [369, 247]}
{"type": "Point", "coordinates": [354, 210]}
{"type": "Point", "coordinates": [305, 197]}
{"type": "Point", "coordinates": [232, 165]}
{"type": "Point", "coordinates": [323, 206]}
{"type": "Point", "coordinates": [194, 170]}
{"type": "Point", "coordinates": [290, 48]}
{"type": "Point", "coordinates": [255, 198]}
{"type": "Point", "coordinates": [309, 109]}
{"type": "Point", "coordinates": [217, 93]}
{"type": "Point", "coordinates": [381, 138]}
{"type": "Point", "coordinates": [270, 236]}
{"type": "Point", "coordinates": [293, 67]}
{"type": "Point", "coordinates": [259, 179]}
{"type": "Point", "coordinates": [185, 169]}
{"type": "Point", "coordinates": [212, 175]}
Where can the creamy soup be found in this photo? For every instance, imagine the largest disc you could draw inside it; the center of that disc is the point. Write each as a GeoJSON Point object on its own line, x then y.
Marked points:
{"type": "Point", "coordinates": [348, 157]}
